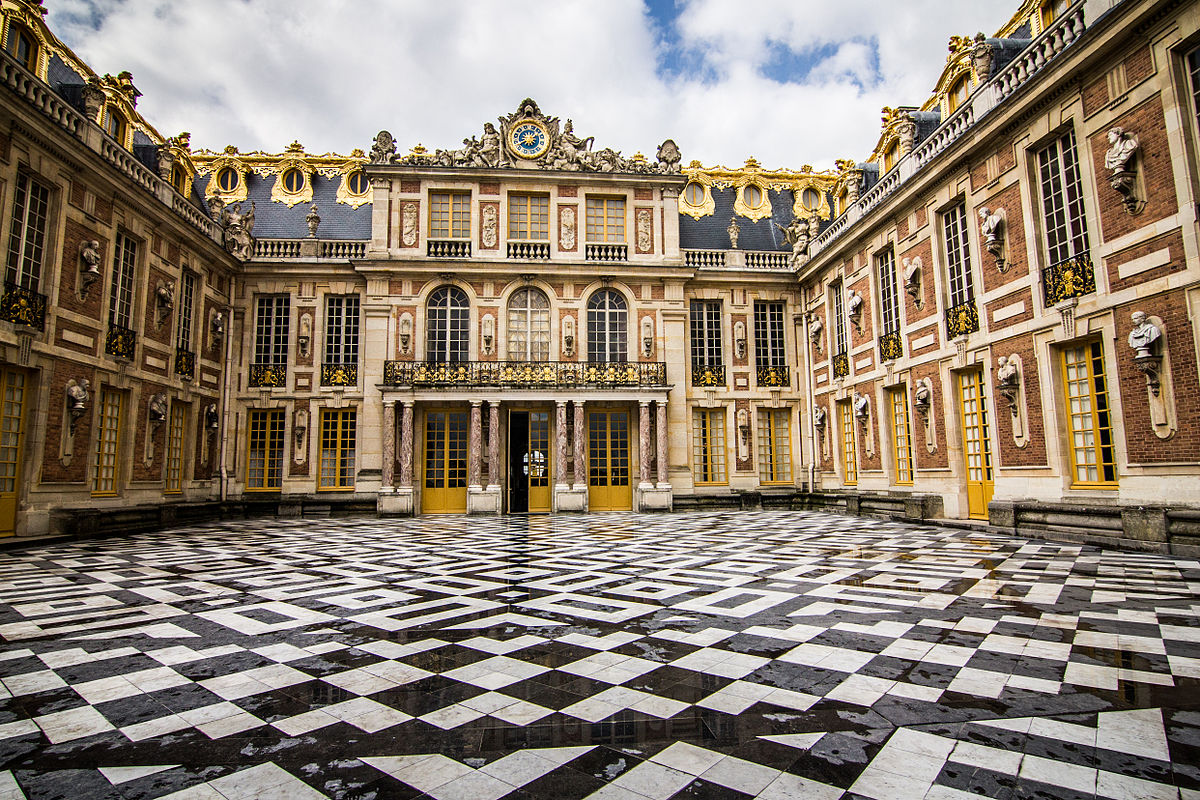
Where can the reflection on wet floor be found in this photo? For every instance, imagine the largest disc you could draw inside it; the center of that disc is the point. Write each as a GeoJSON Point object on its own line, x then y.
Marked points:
{"type": "Point", "coordinates": [619, 656]}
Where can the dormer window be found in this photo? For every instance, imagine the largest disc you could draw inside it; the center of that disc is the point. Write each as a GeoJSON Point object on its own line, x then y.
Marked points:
{"type": "Point", "coordinates": [179, 179]}
{"type": "Point", "coordinates": [753, 196]}
{"type": "Point", "coordinates": [957, 94]}
{"type": "Point", "coordinates": [356, 183]}
{"type": "Point", "coordinates": [810, 199]}
{"type": "Point", "coordinates": [1052, 10]}
{"type": "Point", "coordinates": [228, 179]}
{"type": "Point", "coordinates": [115, 124]}
{"type": "Point", "coordinates": [891, 155]}
{"type": "Point", "coordinates": [693, 193]}
{"type": "Point", "coordinates": [22, 46]}
{"type": "Point", "coordinates": [293, 181]}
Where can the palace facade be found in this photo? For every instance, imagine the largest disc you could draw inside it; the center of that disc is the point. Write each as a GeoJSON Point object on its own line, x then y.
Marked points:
{"type": "Point", "coordinates": [991, 319]}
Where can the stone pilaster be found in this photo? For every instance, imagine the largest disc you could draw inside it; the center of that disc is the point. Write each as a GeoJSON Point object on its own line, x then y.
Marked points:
{"type": "Point", "coordinates": [560, 444]}
{"type": "Point", "coordinates": [475, 446]}
{"type": "Point", "coordinates": [389, 445]}
{"type": "Point", "coordinates": [580, 445]}
{"type": "Point", "coordinates": [661, 450]}
{"type": "Point", "coordinates": [406, 445]}
{"type": "Point", "coordinates": [644, 444]}
{"type": "Point", "coordinates": [493, 445]}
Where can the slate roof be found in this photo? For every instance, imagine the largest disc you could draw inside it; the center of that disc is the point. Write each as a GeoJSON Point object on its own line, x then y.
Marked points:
{"type": "Point", "coordinates": [276, 221]}
{"type": "Point", "coordinates": [710, 233]}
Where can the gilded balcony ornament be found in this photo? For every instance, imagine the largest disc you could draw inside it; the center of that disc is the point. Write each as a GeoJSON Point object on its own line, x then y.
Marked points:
{"type": "Point", "coordinates": [22, 306]}
{"type": "Point", "coordinates": [263, 376]}
{"type": "Point", "coordinates": [841, 365]}
{"type": "Point", "coordinates": [962, 319]}
{"type": "Point", "coordinates": [120, 341]}
{"type": "Point", "coordinates": [891, 347]}
{"type": "Point", "coordinates": [1071, 278]}
{"type": "Point", "coordinates": [773, 377]}
{"type": "Point", "coordinates": [339, 374]}
{"type": "Point", "coordinates": [185, 363]}
{"type": "Point", "coordinates": [710, 375]}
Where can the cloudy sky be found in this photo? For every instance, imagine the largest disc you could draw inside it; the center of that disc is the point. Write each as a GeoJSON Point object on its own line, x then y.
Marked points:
{"type": "Point", "coordinates": [790, 82]}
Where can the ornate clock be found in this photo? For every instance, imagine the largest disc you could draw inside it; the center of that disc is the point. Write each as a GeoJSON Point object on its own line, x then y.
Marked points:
{"type": "Point", "coordinates": [528, 139]}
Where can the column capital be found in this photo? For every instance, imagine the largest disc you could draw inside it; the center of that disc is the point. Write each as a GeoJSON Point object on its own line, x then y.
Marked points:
{"type": "Point", "coordinates": [560, 403]}
{"type": "Point", "coordinates": [387, 403]}
{"type": "Point", "coordinates": [644, 402]}
{"type": "Point", "coordinates": [409, 403]}
{"type": "Point", "coordinates": [476, 403]}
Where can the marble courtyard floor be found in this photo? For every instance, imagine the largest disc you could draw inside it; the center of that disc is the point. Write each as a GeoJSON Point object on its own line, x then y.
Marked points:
{"type": "Point", "coordinates": [615, 656]}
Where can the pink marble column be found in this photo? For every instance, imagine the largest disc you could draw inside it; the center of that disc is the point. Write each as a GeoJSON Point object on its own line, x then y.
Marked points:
{"type": "Point", "coordinates": [662, 442]}
{"type": "Point", "coordinates": [475, 444]}
{"type": "Point", "coordinates": [644, 443]}
{"type": "Point", "coordinates": [560, 441]}
{"type": "Point", "coordinates": [389, 444]}
{"type": "Point", "coordinates": [406, 445]}
{"type": "Point", "coordinates": [581, 478]}
{"type": "Point", "coordinates": [493, 443]}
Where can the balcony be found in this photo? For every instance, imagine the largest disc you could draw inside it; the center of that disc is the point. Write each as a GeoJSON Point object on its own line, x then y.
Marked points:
{"type": "Point", "coordinates": [773, 377]}
{"type": "Point", "coordinates": [529, 251]}
{"type": "Point", "coordinates": [522, 374]}
{"type": "Point", "coordinates": [891, 346]}
{"type": "Point", "coordinates": [185, 363]}
{"type": "Point", "coordinates": [339, 374]}
{"type": "Point", "coordinates": [704, 258]}
{"type": "Point", "coordinates": [23, 306]}
{"type": "Point", "coordinates": [1074, 277]}
{"type": "Point", "coordinates": [962, 319]}
{"type": "Point", "coordinates": [606, 252]}
{"type": "Point", "coordinates": [268, 376]}
{"type": "Point", "coordinates": [841, 365]}
{"type": "Point", "coordinates": [448, 248]}
{"type": "Point", "coordinates": [768, 259]}
{"type": "Point", "coordinates": [708, 375]}
{"type": "Point", "coordinates": [120, 341]}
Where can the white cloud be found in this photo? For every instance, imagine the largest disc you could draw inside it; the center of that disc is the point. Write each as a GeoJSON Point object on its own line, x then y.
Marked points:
{"type": "Point", "coordinates": [258, 73]}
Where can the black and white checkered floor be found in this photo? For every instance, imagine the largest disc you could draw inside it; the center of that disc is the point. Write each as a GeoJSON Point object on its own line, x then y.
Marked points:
{"type": "Point", "coordinates": [616, 657]}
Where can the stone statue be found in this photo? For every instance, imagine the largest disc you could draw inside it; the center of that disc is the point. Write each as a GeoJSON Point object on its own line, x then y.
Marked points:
{"type": "Point", "coordinates": [1008, 380]}
{"type": "Point", "coordinates": [907, 131]}
{"type": "Point", "coordinates": [164, 299]}
{"type": "Point", "coordinates": [991, 226]}
{"type": "Point", "coordinates": [981, 58]}
{"type": "Point", "coordinates": [854, 308]}
{"type": "Point", "coordinates": [89, 264]}
{"type": "Point", "coordinates": [815, 330]}
{"type": "Point", "coordinates": [490, 227]}
{"type": "Point", "coordinates": [819, 417]}
{"type": "Point", "coordinates": [912, 278]}
{"type": "Point", "coordinates": [305, 335]}
{"type": "Point", "coordinates": [572, 150]}
{"type": "Point", "coordinates": [383, 151]}
{"type": "Point", "coordinates": [734, 230]}
{"type": "Point", "coordinates": [158, 407]}
{"type": "Point", "coordinates": [797, 236]}
{"type": "Point", "coordinates": [313, 219]}
{"type": "Point", "coordinates": [239, 230]}
{"type": "Point", "coordinates": [1121, 147]}
{"type": "Point", "coordinates": [669, 157]}
{"type": "Point", "coordinates": [218, 328]}
{"type": "Point", "coordinates": [489, 146]}
{"type": "Point", "coordinates": [211, 419]}
{"type": "Point", "coordinates": [77, 400]}
{"type": "Point", "coordinates": [1143, 336]}
{"type": "Point", "coordinates": [862, 406]}
{"type": "Point", "coordinates": [923, 399]}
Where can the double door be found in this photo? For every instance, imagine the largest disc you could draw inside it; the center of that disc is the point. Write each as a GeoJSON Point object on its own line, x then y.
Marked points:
{"type": "Point", "coordinates": [528, 461]}
{"type": "Point", "coordinates": [976, 443]}
{"type": "Point", "coordinates": [609, 487]}
{"type": "Point", "coordinates": [13, 385]}
{"type": "Point", "coordinates": [444, 482]}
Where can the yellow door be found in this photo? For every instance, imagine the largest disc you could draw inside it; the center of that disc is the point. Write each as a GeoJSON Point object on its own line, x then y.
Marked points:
{"type": "Point", "coordinates": [976, 445]}
{"type": "Point", "coordinates": [539, 461]}
{"type": "Point", "coordinates": [12, 435]}
{"type": "Point", "coordinates": [609, 488]}
{"type": "Point", "coordinates": [445, 479]}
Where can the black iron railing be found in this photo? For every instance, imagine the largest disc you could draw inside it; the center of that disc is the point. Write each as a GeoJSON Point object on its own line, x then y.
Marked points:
{"type": "Point", "coordinates": [1074, 277]}
{"type": "Point", "coordinates": [23, 306]}
{"type": "Point", "coordinates": [708, 375]}
{"type": "Point", "coordinates": [962, 319]}
{"type": "Point", "coordinates": [185, 363]}
{"type": "Point", "coordinates": [521, 374]}
{"type": "Point", "coordinates": [891, 346]}
{"type": "Point", "coordinates": [268, 375]}
{"type": "Point", "coordinates": [773, 377]}
{"type": "Point", "coordinates": [841, 365]}
{"type": "Point", "coordinates": [120, 341]}
{"type": "Point", "coordinates": [339, 374]}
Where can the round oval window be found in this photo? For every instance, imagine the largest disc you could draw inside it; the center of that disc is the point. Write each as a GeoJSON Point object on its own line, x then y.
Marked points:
{"type": "Point", "coordinates": [753, 196]}
{"type": "Point", "coordinates": [293, 180]}
{"type": "Point", "coordinates": [694, 194]}
{"type": "Point", "coordinates": [227, 179]}
{"type": "Point", "coordinates": [810, 199]}
{"type": "Point", "coordinates": [357, 183]}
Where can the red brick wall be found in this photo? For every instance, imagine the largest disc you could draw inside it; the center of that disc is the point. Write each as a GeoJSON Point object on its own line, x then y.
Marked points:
{"type": "Point", "coordinates": [866, 331]}
{"type": "Point", "coordinates": [151, 330]}
{"type": "Point", "coordinates": [937, 418]}
{"type": "Point", "coordinates": [53, 470]}
{"type": "Point", "coordinates": [302, 468]}
{"type": "Point", "coordinates": [1016, 261]}
{"type": "Point", "coordinates": [744, 360]}
{"type": "Point", "coordinates": [1172, 241]}
{"type": "Point", "coordinates": [1139, 65]}
{"type": "Point", "coordinates": [1153, 162]}
{"type": "Point", "coordinates": [68, 294]}
{"type": "Point", "coordinates": [1095, 96]}
{"type": "Point", "coordinates": [924, 251]}
{"type": "Point", "coordinates": [143, 430]}
{"type": "Point", "coordinates": [1022, 295]}
{"type": "Point", "coordinates": [1033, 453]}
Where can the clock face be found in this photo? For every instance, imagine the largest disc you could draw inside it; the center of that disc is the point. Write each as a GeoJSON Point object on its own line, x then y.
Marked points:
{"type": "Point", "coordinates": [528, 139]}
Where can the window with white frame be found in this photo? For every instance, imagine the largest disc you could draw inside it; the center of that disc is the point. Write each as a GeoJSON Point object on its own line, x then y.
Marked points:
{"type": "Point", "coordinates": [272, 321]}
{"type": "Point", "coordinates": [447, 318]}
{"type": "Point", "coordinates": [706, 333]}
{"type": "Point", "coordinates": [1062, 200]}
{"type": "Point", "coordinates": [769, 347]}
{"type": "Point", "coordinates": [120, 296]}
{"type": "Point", "coordinates": [341, 328]}
{"type": "Point", "coordinates": [889, 298]}
{"type": "Point", "coordinates": [958, 255]}
{"type": "Point", "coordinates": [840, 344]}
{"type": "Point", "coordinates": [187, 299]}
{"type": "Point", "coordinates": [607, 318]}
{"type": "Point", "coordinates": [27, 242]}
{"type": "Point", "coordinates": [528, 325]}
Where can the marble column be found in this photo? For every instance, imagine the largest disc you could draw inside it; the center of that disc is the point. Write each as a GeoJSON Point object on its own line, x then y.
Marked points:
{"type": "Point", "coordinates": [493, 444]}
{"type": "Point", "coordinates": [406, 445]}
{"type": "Point", "coordinates": [475, 445]}
{"type": "Point", "coordinates": [661, 450]}
{"type": "Point", "coordinates": [581, 478]}
{"type": "Point", "coordinates": [560, 441]}
{"type": "Point", "coordinates": [644, 444]}
{"type": "Point", "coordinates": [389, 445]}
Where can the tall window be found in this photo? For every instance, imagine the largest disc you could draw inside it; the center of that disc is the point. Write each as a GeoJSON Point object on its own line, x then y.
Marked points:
{"type": "Point", "coordinates": [173, 480]}
{"type": "Point", "coordinates": [849, 447]}
{"type": "Point", "coordinates": [902, 435]}
{"type": "Point", "coordinates": [271, 329]}
{"type": "Point", "coordinates": [840, 344]}
{"type": "Point", "coordinates": [120, 296]}
{"type": "Point", "coordinates": [1062, 200]}
{"type": "Point", "coordinates": [528, 326]}
{"type": "Point", "coordinates": [449, 215]}
{"type": "Point", "coordinates": [1092, 454]}
{"type": "Point", "coordinates": [115, 124]}
{"type": "Point", "coordinates": [1193, 68]}
{"type": "Point", "coordinates": [769, 347]}
{"type": "Point", "coordinates": [106, 464]}
{"type": "Point", "coordinates": [337, 449]}
{"type": "Point", "coordinates": [264, 460]}
{"type": "Point", "coordinates": [958, 92]}
{"type": "Point", "coordinates": [958, 257]}
{"type": "Point", "coordinates": [529, 217]}
{"type": "Point", "coordinates": [774, 445]}
{"type": "Point", "coordinates": [706, 333]}
{"type": "Point", "coordinates": [446, 325]}
{"type": "Point", "coordinates": [22, 46]}
{"type": "Point", "coordinates": [27, 244]}
{"type": "Point", "coordinates": [606, 327]}
{"type": "Point", "coordinates": [708, 445]}
{"type": "Point", "coordinates": [606, 219]}
{"type": "Point", "coordinates": [341, 329]}
{"type": "Point", "coordinates": [889, 299]}
{"type": "Point", "coordinates": [187, 299]}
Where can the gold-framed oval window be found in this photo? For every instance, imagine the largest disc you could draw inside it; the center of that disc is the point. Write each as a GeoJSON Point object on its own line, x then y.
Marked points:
{"type": "Point", "coordinates": [753, 195]}
{"type": "Point", "coordinates": [228, 179]}
{"type": "Point", "coordinates": [693, 193]}
{"type": "Point", "coordinates": [293, 181]}
{"type": "Point", "coordinates": [810, 198]}
{"type": "Point", "coordinates": [356, 183]}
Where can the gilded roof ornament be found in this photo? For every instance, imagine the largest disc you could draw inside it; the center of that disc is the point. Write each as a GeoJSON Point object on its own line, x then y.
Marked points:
{"type": "Point", "coordinates": [752, 174]}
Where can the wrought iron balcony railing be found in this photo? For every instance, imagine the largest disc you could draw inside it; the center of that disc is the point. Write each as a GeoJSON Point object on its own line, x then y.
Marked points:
{"type": "Point", "coordinates": [23, 306]}
{"type": "Point", "coordinates": [606, 252]}
{"type": "Point", "coordinates": [120, 341]}
{"type": "Point", "coordinates": [891, 346]}
{"type": "Point", "coordinates": [522, 374]}
{"type": "Point", "coordinates": [962, 319]}
{"type": "Point", "coordinates": [264, 376]}
{"type": "Point", "coordinates": [841, 365]}
{"type": "Point", "coordinates": [339, 374]}
{"type": "Point", "coordinates": [710, 375]}
{"type": "Point", "coordinates": [529, 251]}
{"type": "Point", "coordinates": [773, 377]}
{"type": "Point", "coordinates": [448, 248]}
{"type": "Point", "coordinates": [185, 363]}
{"type": "Point", "coordinates": [1074, 277]}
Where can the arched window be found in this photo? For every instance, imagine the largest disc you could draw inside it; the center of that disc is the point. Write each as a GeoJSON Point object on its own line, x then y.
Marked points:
{"type": "Point", "coordinates": [446, 325]}
{"type": "Point", "coordinates": [115, 124]}
{"type": "Point", "coordinates": [22, 46]}
{"type": "Point", "coordinates": [179, 179]}
{"type": "Point", "coordinates": [606, 324]}
{"type": "Point", "coordinates": [958, 93]}
{"type": "Point", "coordinates": [528, 326]}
